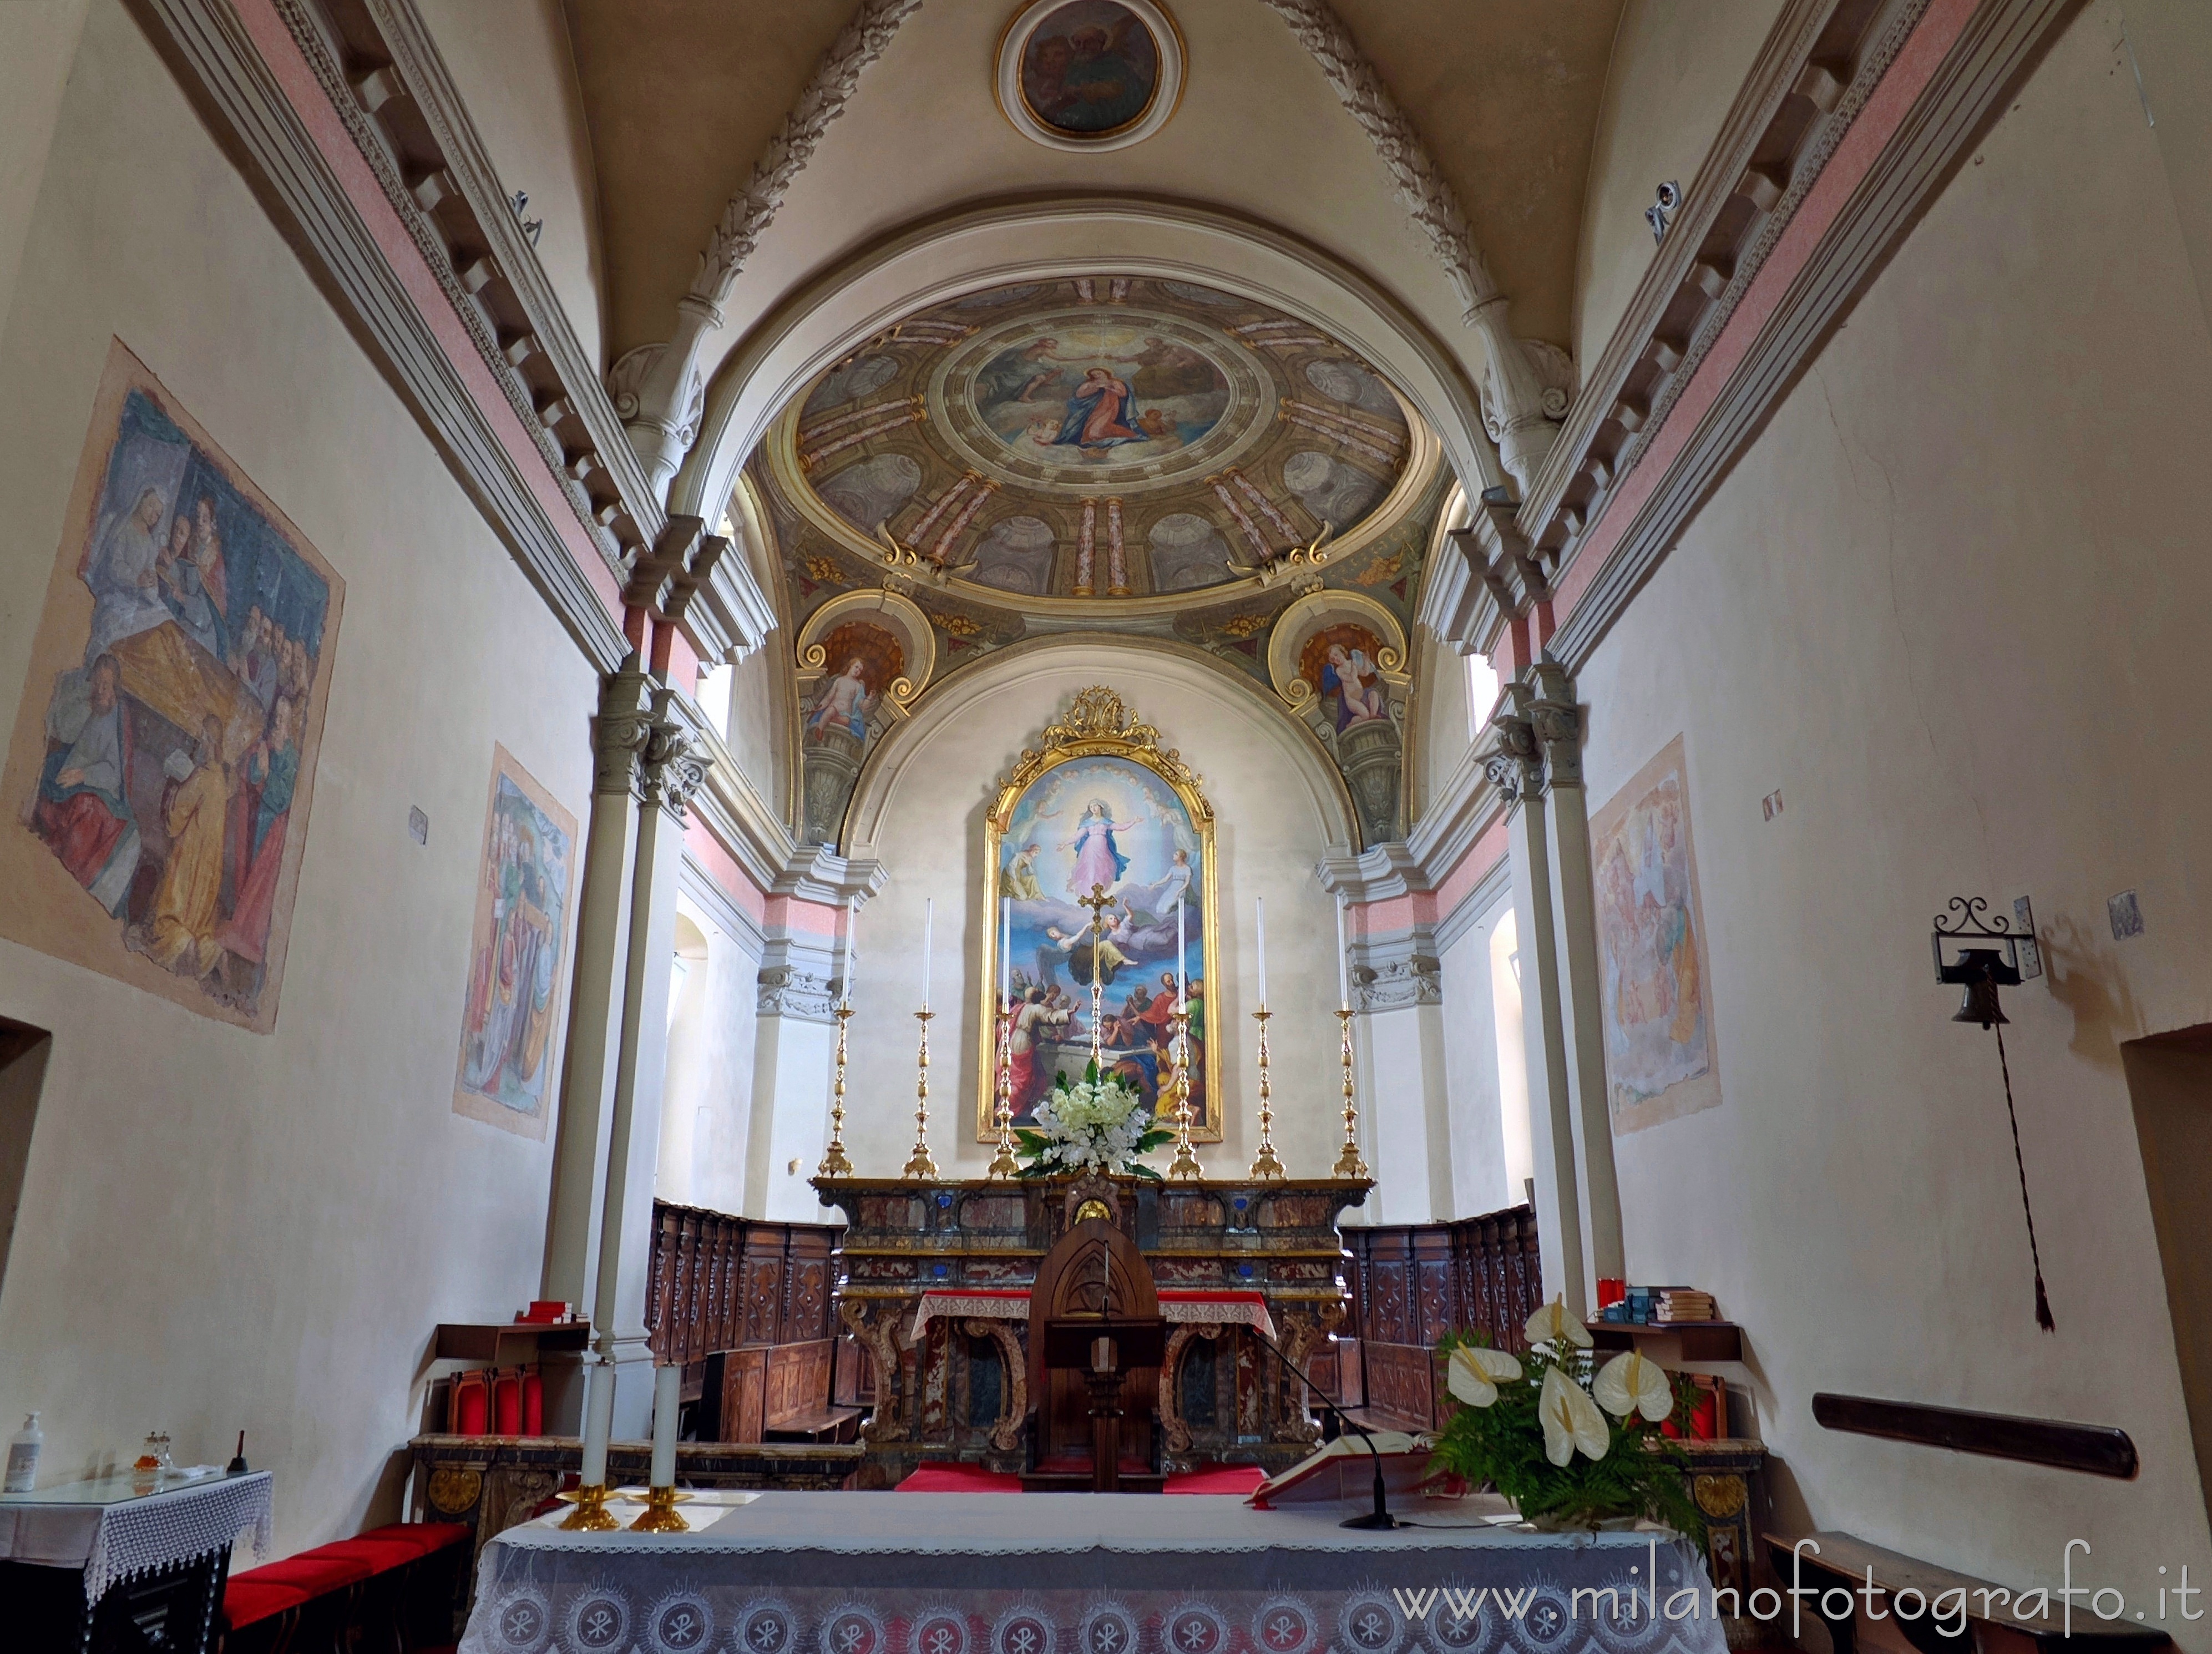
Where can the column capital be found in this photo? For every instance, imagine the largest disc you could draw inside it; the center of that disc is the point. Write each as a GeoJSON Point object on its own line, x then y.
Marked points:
{"type": "Point", "coordinates": [1515, 766]}
{"type": "Point", "coordinates": [621, 729]}
{"type": "Point", "coordinates": [674, 768]}
{"type": "Point", "coordinates": [1557, 723]}
{"type": "Point", "coordinates": [1397, 971]}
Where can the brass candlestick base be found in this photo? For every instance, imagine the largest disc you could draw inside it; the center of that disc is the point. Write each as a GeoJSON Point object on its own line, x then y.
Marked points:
{"type": "Point", "coordinates": [919, 1164]}
{"type": "Point", "coordinates": [660, 1515]}
{"type": "Point", "coordinates": [1186, 1163]}
{"type": "Point", "coordinates": [1265, 1164]}
{"type": "Point", "coordinates": [1348, 1163]}
{"type": "Point", "coordinates": [835, 1162]}
{"type": "Point", "coordinates": [1004, 1165]}
{"type": "Point", "coordinates": [590, 1515]}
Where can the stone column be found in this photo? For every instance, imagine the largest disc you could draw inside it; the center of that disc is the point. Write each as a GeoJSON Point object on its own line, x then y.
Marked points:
{"type": "Point", "coordinates": [595, 1010]}
{"type": "Point", "coordinates": [1558, 725]}
{"type": "Point", "coordinates": [1516, 767]}
{"type": "Point", "coordinates": [579, 1162]}
{"type": "Point", "coordinates": [794, 1050]}
{"type": "Point", "coordinates": [1405, 1112]}
{"type": "Point", "coordinates": [672, 769]}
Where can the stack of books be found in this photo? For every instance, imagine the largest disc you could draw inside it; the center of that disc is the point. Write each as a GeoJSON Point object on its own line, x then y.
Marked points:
{"type": "Point", "coordinates": [1683, 1304]}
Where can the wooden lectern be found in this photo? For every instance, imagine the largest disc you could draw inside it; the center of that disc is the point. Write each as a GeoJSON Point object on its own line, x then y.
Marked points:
{"type": "Point", "coordinates": [1095, 1343]}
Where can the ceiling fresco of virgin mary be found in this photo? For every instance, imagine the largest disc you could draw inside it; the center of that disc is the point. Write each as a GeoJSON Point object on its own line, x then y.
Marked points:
{"type": "Point", "coordinates": [1115, 454]}
{"type": "Point", "coordinates": [1096, 439]}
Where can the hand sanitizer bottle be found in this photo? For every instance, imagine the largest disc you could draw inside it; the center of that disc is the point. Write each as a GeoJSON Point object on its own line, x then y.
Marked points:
{"type": "Point", "coordinates": [23, 1457]}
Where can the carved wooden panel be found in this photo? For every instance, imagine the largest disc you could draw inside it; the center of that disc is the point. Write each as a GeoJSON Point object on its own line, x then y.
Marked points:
{"type": "Point", "coordinates": [1387, 1321]}
{"type": "Point", "coordinates": [745, 1395]}
{"type": "Point", "coordinates": [809, 1318]}
{"type": "Point", "coordinates": [798, 1382]}
{"type": "Point", "coordinates": [1398, 1383]}
{"type": "Point", "coordinates": [764, 1297]}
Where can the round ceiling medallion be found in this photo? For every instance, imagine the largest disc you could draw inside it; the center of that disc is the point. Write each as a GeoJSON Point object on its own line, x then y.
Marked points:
{"type": "Point", "coordinates": [1090, 74]}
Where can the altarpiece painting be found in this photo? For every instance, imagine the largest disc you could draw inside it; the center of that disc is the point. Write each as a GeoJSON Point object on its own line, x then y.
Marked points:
{"type": "Point", "coordinates": [1660, 1060]}
{"type": "Point", "coordinates": [1102, 805]}
{"type": "Point", "coordinates": [164, 751]}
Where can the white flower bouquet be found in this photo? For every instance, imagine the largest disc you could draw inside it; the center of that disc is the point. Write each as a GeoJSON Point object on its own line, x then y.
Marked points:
{"type": "Point", "coordinates": [1092, 1124]}
{"type": "Point", "coordinates": [1570, 1443]}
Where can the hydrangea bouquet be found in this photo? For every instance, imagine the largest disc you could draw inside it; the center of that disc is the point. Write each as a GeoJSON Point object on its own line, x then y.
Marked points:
{"type": "Point", "coordinates": [1570, 1443]}
{"type": "Point", "coordinates": [1092, 1124]}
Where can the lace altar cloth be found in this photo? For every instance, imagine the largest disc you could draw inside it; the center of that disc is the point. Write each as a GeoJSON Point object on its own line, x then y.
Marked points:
{"type": "Point", "coordinates": [113, 1533]}
{"type": "Point", "coordinates": [1012, 1304]}
{"type": "Point", "coordinates": [1080, 1573]}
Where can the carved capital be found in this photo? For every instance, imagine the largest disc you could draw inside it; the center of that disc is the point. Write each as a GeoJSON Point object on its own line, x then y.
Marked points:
{"type": "Point", "coordinates": [1557, 723]}
{"type": "Point", "coordinates": [674, 768]}
{"type": "Point", "coordinates": [1516, 765]}
{"type": "Point", "coordinates": [1396, 984]}
{"type": "Point", "coordinates": [788, 991]}
{"type": "Point", "coordinates": [623, 728]}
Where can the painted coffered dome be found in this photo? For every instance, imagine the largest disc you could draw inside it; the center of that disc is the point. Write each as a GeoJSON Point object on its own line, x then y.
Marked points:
{"type": "Point", "coordinates": [1105, 448]}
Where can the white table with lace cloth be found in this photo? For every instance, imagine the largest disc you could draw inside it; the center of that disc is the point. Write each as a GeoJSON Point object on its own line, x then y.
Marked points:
{"type": "Point", "coordinates": [1081, 1573]}
{"type": "Point", "coordinates": [113, 1532]}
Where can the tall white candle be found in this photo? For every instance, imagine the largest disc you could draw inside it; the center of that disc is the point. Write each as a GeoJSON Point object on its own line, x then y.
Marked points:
{"type": "Point", "coordinates": [1343, 960]}
{"type": "Point", "coordinates": [598, 1421]}
{"type": "Point", "coordinates": [928, 924]}
{"type": "Point", "coordinates": [667, 1397]}
{"type": "Point", "coordinates": [852, 924]}
{"type": "Point", "coordinates": [1260, 907]}
{"type": "Point", "coordinates": [1179, 957]}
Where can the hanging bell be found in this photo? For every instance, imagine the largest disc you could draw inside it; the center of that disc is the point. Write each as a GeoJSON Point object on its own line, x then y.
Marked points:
{"type": "Point", "coordinates": [1981, 970]}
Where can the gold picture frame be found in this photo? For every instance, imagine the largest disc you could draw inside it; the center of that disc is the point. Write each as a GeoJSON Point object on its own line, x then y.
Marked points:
{"type": "Point", "coordinates": [1099, 726]}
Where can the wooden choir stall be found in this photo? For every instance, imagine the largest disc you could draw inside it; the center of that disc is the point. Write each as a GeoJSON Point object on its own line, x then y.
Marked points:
{"type": "Point", "coordinates": [936, 1287]}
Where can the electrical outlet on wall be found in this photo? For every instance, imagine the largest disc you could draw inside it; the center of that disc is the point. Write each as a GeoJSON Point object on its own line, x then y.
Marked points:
{"type": "Point", "coordinates": [1771, 805]}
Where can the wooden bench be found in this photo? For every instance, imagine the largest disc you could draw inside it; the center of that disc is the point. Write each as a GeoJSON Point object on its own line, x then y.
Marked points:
{"type": "Point", "coordinates": [1980, 1623]}
{"type": "Point", "coordinates": [827, 1423]}
{"type": "Point", "coordinates": [392, 1590]}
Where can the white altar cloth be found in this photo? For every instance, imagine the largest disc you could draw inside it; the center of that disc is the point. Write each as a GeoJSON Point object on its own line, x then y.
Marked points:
{"type": "Point", "coordinates": [1178, 1305]}
{"type": "Point", "coordinates": [1081, 1573]}
{"type": "Point", "coordinates": [113, 1531]}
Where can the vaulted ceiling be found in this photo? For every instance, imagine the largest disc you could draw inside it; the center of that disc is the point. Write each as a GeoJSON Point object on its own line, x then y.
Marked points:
{"type": "Point", "coordinates": [684, 95]}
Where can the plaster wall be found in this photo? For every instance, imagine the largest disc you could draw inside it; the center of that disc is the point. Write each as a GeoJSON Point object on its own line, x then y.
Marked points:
{"type": "Point", "coordinates": [1440, 736]}
{"type": "Point", "coordinates": [41, 37]}
{"type": "Point", "coordinates": [707, 1096]}
{"type": "Point", "coordinates": [1949, 603]}
{"type": "Point", "coordinates": [1677, 65]}
{"type": "Point", "coordinates": [510, 61]}
{"type": "Point", "coordinates": [1266, 781]}
{"type": "Point", "coordinates": [1473, 1085]}
{"type": "Point", "coordinates": [221, 1230]}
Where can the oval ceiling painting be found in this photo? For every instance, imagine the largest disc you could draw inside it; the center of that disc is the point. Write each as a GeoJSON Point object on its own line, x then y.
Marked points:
{"type": "Point", "coordinates": [1102, 437]}
{"type": "Point", "coordinates": [1090, 74]}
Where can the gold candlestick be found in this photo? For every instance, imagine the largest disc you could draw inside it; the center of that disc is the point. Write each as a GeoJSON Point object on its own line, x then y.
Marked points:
{"type": "Point", "coordinates": [919, 1164]}
{"type": "Point", "coordinates": [590, 1515]}
{"type": "Point", "coordinates": [1005, 1165]}
{"type": "Point", "coordinates": [1348, 1163]}
{"type": "Point", "coordinates": [1265, 1163]}
{"type": "Point", "coordinates": [1186, 1163]}
{"type": "Point", "coordinates": [834, 1162]}
{"type": "Point", "coordinates": [660, 1515]}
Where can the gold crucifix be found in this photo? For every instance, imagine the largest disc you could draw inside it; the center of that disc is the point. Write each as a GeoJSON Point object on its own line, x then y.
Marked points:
{"type": "Point", "coordinates": [1097, 901]}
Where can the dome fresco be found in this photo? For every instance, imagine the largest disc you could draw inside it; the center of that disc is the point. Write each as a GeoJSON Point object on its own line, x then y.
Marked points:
{"type": "Point", "coordinates": [1102, 438]}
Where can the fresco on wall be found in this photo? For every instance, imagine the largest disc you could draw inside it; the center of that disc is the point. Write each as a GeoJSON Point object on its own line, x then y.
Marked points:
{"type": "Point", "coordinates": [1089, 67]}
{"type": "Point", "coordinates": [164, 755]}
{"type": "Point", "coordinates": [861, 660]}
{"type": "Point", "coordinates": [1114, 823]}
{"type": "Point", "coordinates": [515, 954]}
{"type": "Point", "coordinates": [1659, 1047]}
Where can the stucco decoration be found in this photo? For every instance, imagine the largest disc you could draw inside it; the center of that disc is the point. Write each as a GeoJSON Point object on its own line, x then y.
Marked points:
{"type": "Point", "coordinates": [1339, 658]}
{"type": "Point", "coordinates": [1092, 75]}
{"type": "Point", "coordinates": [1100, 437]}
{"type": "Point", "coordinates": [862, 660]}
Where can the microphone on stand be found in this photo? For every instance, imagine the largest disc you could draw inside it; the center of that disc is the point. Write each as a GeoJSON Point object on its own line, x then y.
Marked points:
{"type": "Point", "coordinates": [1380, 1517]}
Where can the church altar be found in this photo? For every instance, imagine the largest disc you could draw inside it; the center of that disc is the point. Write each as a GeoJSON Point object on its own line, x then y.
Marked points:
{"type": "Point", "coordinates": [934, 1281]}
{"type": "Point", "coordinates": [1071, 1574]}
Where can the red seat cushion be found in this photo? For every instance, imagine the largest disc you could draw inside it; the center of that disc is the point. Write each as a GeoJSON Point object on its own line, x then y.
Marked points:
{"type": "Point", "coordinates": [313, 1572]}
{"type": "Point", "coordinates": [245, 1599]}
{"type": "Point", "coordinates": [381, 1555]}
{"type": "Point", "coordinates": [424, 1536]}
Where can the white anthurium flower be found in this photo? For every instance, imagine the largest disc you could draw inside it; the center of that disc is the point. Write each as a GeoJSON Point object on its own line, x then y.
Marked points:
{"type": "Point", "coordinates": [1474, 1373]}
{"type": "Point", "coordinates": [1629, 1384]}
{"type": "Point", "coordinates": [1551, 1323]}
{"type": "Point", "coordinates": [1570, 1420]}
